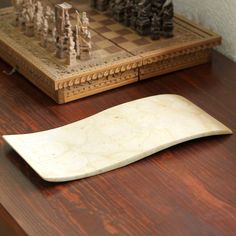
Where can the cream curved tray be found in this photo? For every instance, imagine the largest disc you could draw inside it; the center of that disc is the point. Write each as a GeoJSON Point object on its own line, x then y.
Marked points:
{"type": "Point", "coordinates": [114, 138]}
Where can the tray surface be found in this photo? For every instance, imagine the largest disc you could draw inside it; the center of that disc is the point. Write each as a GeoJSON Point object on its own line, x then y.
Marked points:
{"type": "Point", "coordinates": [114, 138]}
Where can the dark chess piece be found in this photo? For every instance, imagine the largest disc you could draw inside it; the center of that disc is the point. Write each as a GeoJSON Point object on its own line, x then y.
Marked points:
{"type": "Point", "coordinates": [147, 17]}
{"type": "Point", "coordinates": [112, 4]}
{"type": "Point", "coordinates": [143, 23]}
{"type": "Point", "coordinates": [134, 14]}
{"type": "Point", "coordinates": [101, 5]}
{"type": "Point", "coordinates": [167, 19]}
{"type": "Point", "coordinates": [128, 12]}
{"type": "Point", "coordinates": [156, 27]}
{"type": "Point", "coordinates": [93, 3]}
{"type": "Point", "coordinates": [157, 6]}
{"type": "Point", "coordinates": [118, 10]}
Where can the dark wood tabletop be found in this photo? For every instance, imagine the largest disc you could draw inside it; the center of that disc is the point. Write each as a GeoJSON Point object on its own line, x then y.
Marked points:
{"type": "Point", "coordinates": [189, 189]}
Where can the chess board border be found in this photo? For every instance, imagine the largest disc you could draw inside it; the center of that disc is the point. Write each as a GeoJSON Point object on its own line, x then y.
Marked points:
{"type": "Point", "coordinates": [112, 75]}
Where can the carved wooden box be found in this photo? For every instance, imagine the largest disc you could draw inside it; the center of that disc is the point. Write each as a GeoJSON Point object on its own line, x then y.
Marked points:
{"type": "Point", "coordinates": [119, 55]}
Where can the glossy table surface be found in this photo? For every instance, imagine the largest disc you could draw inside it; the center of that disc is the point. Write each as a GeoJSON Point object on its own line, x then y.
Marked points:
{"type": "Point", "coordinates": [189, 189]}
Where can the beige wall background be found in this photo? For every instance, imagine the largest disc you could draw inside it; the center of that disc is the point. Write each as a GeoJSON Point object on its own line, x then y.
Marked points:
{"type": "Point", "coordinates": [217, 15]}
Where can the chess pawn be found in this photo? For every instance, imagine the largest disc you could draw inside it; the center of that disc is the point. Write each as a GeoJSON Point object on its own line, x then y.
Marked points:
{"type": "Point", "coordinates": [167, 19]}
{"type": "Point", "coordinates": [101, 5]}
{"type": "Point", "coordinates": [22, 17]}
{"type": "Point", "coordinates": [29, 21]}
{"type": "Point", "coordinates": [44, 34]}
{"type": "Point", "coordinates": [112, 4]}
{"type": "Point", "coordinates": [85, 20]}
{"type": "Point", "coordinates": [93, 3]}
{"type": "Point", "coordinates": [38, 24]}
{"type": "Point", "coordinates": [157, 6]}
{"type": "Point", "coordinates": [77, 43]}
{"type": "Point", "coordinates": [85, 44]}
{"type": "Point", "coordinates": [134, 14]}
{"type": "Point", "coordinates": [71, 53]}
{"type": "Point", "coordinates": [128, 13]}
{"type": "Point", "coordinates": [143, 23]}
{"type": "Point", "coordinates": [156, 27]}
{"type": "Point", "coordinates": [78, 22]}
{"type": "Point", "coordinates": [51, 41]}
{"type": "Point", "coordinates": [17, 4]}
{"type": "Point", "coordinates": [119, 10]}
{"type": "Point", "coordinates": [84, 38]}
{"type": "Point", "coordinates": [48, 12]}
{"type": "Point", "coordinates": [85, 47]}
{"type": "Point", "coordinates": [60, 53]}
{"type": "Point", "coordinates": [50, 16]}
{"type": "Point", "coordinates": [52, 20]}
{"type": "Point", "coordinates": [29, 27]}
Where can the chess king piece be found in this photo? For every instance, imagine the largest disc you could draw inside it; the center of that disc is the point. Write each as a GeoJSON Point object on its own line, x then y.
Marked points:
{"type": "Point", "coordinates": [143, 22]}
{"type": "Point", "coordinates": [77, 33]}
{"type": "Point", "coordinates": [167, 19]}
{"type": "Point", "coordinates": [61, 11]}
{"type": "Point", "coordinates": [70, 44]}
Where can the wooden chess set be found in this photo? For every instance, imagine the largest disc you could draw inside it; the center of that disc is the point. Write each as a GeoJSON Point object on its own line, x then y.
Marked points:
{"type": "Point", "coordinates": [100, 53]}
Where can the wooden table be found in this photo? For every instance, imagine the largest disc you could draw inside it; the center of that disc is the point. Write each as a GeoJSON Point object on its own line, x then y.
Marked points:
{"type": "Point", "coordinates": [189, 189]}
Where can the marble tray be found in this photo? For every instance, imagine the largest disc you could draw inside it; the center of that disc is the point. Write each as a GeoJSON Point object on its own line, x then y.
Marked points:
{"type": "Point", "coordinates": [114, 138]}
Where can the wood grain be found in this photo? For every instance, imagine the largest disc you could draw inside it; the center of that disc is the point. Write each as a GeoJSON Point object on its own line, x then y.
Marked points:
{"type": "Point", "coordinates": [185, 190]}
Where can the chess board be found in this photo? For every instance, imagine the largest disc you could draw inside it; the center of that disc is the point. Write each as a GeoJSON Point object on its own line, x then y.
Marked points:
{"type": "Point", "coordinates": [119, 55]}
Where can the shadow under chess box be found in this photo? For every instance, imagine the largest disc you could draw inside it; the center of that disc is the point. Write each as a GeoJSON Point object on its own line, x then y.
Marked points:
{"type": "Point", "coordinates": [119, 55]}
